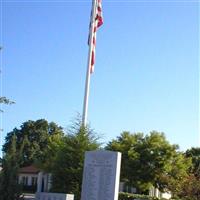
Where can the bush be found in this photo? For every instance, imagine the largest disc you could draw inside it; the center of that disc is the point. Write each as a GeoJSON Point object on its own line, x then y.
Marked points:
{"type": "Point", "coordinates": [128, 196]}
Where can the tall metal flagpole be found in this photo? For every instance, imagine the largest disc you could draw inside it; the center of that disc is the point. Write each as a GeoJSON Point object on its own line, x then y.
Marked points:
{"type": "Point", "coordinates": [88, 73]}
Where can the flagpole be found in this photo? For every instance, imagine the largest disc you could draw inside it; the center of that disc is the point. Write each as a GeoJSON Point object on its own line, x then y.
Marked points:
{"type": "Point", "coordinates": [87, 81]}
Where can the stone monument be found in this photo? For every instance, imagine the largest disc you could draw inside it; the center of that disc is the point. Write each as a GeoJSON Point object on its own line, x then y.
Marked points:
{"type": "Point", "coordinates": [101, 175]}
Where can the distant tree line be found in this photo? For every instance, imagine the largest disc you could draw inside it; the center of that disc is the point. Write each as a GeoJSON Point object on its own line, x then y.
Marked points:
{"type": "Point", "coordinates": [147, 160]}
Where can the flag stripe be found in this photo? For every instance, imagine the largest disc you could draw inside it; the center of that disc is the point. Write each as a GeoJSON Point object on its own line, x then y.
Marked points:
{"type": "Point", "coordinates": [94, 25]}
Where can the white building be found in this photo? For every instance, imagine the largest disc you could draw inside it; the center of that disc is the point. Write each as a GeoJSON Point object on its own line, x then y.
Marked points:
{"type": "Point", "coordinates": [153, 192]}
{"type": "Point", "coordinates": [33, 179]}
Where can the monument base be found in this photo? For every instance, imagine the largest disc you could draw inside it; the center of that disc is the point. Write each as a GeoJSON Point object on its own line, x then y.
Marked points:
{"type": "Point", "coordinates": [53, 196]}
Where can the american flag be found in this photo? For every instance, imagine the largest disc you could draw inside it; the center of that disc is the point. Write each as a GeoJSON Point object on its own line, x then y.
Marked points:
{"type": "Point", "coordinates": [96, 22]}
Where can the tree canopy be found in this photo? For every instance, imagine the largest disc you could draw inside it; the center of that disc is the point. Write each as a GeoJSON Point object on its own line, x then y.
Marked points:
{"type": "Point", "coordinates": [32, 139]}
{"type": "Point", "coordinates": [149, 160]}
{"type": "Point", "coordinates": [194, 154]}
{"type": "Point", "coordinates": [190, 188]}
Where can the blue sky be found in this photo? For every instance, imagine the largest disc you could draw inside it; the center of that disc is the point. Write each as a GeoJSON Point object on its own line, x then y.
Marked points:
{"type": "Point", "coordinates": [146, 73]}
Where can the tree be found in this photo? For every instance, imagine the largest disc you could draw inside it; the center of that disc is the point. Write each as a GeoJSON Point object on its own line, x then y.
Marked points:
{"type": "Point", "coordinates": [190, 188]}
{"type": "Point", "coordinates": [32, 139]}
{"type": "Point", "coordinates": [177, 174]}
{"type": "Point", "coordinates": [9, 186]}
{"type": "Point", "coordinates": [68, 158]}
{"type": "Point", "coordinates": [149, 160]}
{"type": "Point", "coordinates": [194, 154]}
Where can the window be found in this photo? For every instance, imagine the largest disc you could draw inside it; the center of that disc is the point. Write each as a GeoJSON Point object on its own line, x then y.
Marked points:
{"type": "Point", "coordinates": [34, 181]}
{"type": "Point", "coordinates": [25, 180]}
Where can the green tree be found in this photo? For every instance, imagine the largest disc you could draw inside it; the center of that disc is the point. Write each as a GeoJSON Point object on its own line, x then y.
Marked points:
{"type": "Point", "coordinates": [9, 186]}
{"type": "Point", "coordinates": [126, 144]}
{"type": "Point", "coordinates": [149, 160]}
{"type": "Point", "coordinates": [194, 154]}
{"type": "Point", "coordinates": [68, 158]}
{"type": "Point", "coordinates": [32, 139]}
{"type": "Point", "coordinates": [177, 174]}
{"type": "Point", "coordinates": [190, 188]}
{"type": "Point", "coordinates": [47, 160]}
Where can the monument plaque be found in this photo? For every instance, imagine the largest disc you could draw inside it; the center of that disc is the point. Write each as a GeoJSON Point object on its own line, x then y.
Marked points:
{"type": "Point", "coordinates": [101, 175]}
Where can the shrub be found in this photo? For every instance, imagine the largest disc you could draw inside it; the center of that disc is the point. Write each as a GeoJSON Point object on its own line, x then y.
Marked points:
{"type": "Point", "coordinates": [128, 196]}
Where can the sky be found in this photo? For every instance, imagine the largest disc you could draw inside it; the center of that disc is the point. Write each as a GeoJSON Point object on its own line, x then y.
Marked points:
{"type": "Point", "coordinates": [146, 72]}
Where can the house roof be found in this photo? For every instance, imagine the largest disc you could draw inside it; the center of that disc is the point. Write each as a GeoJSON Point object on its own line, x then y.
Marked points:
{"type": "Point", "coordinates": [29, 170]}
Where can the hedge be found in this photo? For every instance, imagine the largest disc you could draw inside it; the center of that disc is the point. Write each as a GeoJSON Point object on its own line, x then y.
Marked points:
{"type": "Point", "coordinates": [128, 196]}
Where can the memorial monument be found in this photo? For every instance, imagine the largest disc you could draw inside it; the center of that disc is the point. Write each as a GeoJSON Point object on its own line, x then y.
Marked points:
{"type": "Point", "coordinates": [101, 175]}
